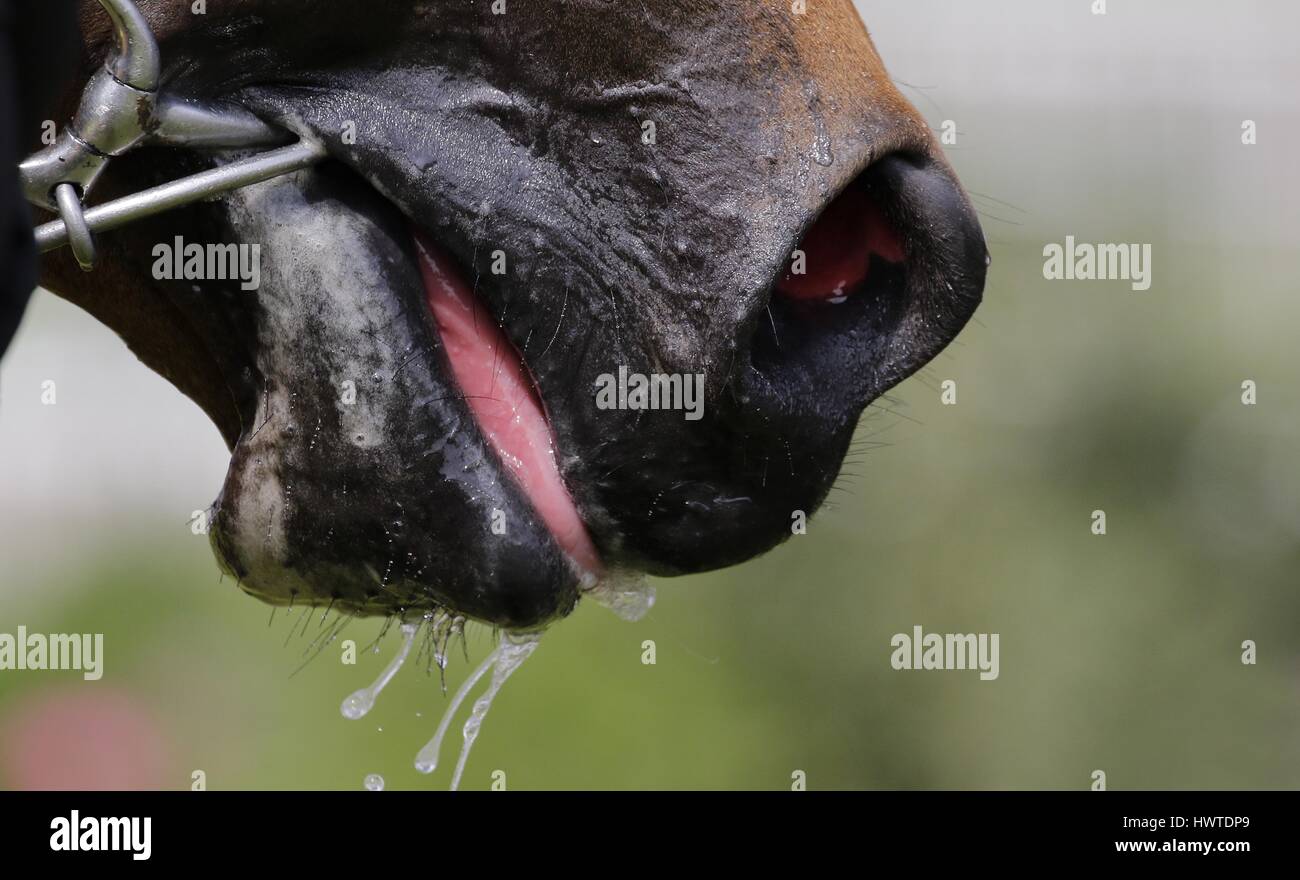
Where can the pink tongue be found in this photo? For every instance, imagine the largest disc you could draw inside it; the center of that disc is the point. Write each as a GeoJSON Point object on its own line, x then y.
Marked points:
{"type": "Point", "coordinates": [500, 393]}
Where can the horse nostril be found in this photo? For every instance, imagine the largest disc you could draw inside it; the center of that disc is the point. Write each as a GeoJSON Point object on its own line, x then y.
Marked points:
{"type": "Point", "coordinates": [833, 260]}
{"type": "Point", "coordinates": [892, 270]}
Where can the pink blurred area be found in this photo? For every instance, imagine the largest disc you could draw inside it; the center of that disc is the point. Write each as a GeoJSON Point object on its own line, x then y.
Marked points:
{"type": "Point", "coordinates": [83, 738]}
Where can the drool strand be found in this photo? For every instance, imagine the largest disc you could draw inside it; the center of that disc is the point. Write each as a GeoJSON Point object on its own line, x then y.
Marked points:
{"type": "Point", "coordinates": [358, 703]}
{"type": "Point", "coordinates": [509, 655]}
{"type": "Point", "coordinates": [427, 759]}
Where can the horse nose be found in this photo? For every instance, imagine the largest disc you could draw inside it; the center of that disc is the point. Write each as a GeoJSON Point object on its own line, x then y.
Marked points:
{"type": "Point", "coordinates": [880, 281]}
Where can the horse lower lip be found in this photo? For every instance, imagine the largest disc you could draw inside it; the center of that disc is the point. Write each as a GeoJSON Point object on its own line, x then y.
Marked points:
{"type": "Point", "coordinates": [499, 392]}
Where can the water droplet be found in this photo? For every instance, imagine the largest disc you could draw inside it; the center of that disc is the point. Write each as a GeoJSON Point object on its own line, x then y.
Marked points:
{"type": "Point", "coordinates": [822, 154]}
{"type": "Point", "coordinates": [374, 782]}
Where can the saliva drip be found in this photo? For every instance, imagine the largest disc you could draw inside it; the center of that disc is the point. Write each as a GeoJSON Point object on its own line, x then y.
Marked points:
{"type": "Point", "coordinates": [358, 703]}
{"type": "Point", "coordinates": [427, 759]}
{"type": "Point", "coordinates": [629, 595]}
{"type": "Point", "coordinates": [509, 655]}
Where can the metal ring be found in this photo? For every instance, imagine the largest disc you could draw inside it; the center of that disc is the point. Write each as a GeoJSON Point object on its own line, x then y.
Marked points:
{"type": "Point", "coordinates": [74, 220]}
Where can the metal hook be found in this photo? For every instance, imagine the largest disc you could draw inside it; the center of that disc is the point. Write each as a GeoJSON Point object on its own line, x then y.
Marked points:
{"type": "Point", "coordinates": [137, 63]}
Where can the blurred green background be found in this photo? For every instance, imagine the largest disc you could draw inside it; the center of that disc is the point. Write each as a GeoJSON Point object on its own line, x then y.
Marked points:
{"type": "Point", "coordinates": [1119, 652]}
